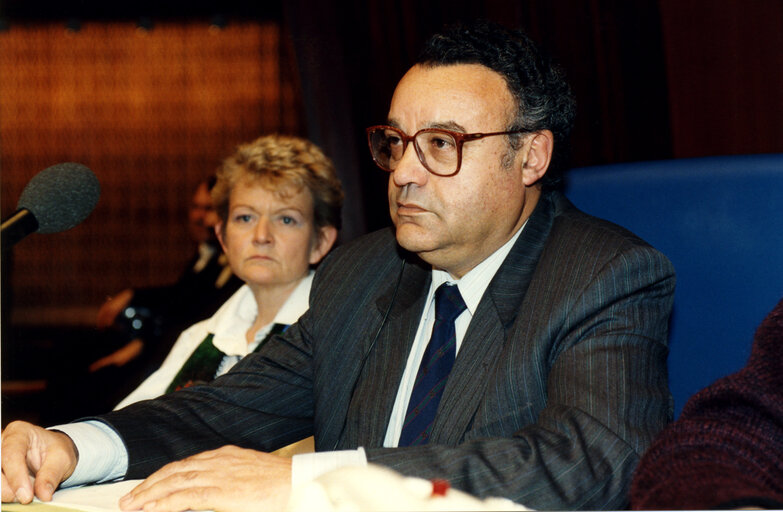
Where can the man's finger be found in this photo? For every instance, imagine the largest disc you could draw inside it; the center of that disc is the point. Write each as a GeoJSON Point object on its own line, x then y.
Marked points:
{"type": "Point", "coordinates": [16, 476]}
{"type": "Point", "coordinates": [191, 465]}
{"type": "Point", "coordinates": [8, 494]}
{"type": "Point", "coordinates": [44, 486]}
{"type": "Point", "coordinates": [159, 489]}
{"type": "Point", "coordinates": [193, 498]}
{"type": "Point", "coordinates": [59, 461]}
{"type": "Point", "coordinates": [163, 473]}
{"type": "Point", "coordinates": [162, 482]}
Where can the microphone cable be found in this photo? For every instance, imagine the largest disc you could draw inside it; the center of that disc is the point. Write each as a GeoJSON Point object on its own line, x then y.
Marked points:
{"type": "Point", "coordinates": [368, 352]}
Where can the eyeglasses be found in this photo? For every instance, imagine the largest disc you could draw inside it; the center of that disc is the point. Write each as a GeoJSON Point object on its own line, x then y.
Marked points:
{"type": "Point", "coordinates": [439, 151]}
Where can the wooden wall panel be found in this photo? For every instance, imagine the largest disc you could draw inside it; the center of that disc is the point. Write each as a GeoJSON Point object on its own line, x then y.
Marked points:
{"type": "Point", "coordinates": [151, 112]}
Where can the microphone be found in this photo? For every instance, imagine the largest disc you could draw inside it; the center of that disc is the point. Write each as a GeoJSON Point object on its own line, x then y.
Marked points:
{"type": "Point", "coordinates": [56, 199]}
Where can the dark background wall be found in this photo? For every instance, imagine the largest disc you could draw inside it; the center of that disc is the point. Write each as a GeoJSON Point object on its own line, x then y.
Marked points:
{"type": "Point", "coordinates": [654, 79]}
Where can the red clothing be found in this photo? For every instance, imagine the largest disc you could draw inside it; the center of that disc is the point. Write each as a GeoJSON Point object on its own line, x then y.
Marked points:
{"type": "Point", "coordinates": [726, 449]}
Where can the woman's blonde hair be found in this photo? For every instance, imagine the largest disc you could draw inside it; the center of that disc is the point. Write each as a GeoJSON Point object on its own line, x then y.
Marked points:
{"type": "Point", "coordinates": [284, 164]}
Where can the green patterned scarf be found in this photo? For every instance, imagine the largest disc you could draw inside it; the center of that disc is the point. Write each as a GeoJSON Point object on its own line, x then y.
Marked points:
{"type": "Point", "coordinates": [202, 365]}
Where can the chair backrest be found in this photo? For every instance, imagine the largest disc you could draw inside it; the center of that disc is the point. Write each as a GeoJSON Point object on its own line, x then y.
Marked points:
{"type": "Point", "coordinates": [720, 222]}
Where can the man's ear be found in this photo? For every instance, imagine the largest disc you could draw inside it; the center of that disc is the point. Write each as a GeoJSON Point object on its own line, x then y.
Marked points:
{"type": "Point", "coordinates": [539, 156]}
{"type": "Point", "coordinates": [323, 243]}
{"type": "Point", "coordinates": [219, 234]}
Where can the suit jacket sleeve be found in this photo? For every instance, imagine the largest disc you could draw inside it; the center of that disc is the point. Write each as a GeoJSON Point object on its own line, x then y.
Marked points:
{"type": "Point", "coordinates": [262, 403]}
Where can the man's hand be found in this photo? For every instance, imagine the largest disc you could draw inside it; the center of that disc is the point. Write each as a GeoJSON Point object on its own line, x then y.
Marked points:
{"type": "Point", "coordinates": [112, 307]}
{"type": "Point", "coordinates": [49, 456]}
{"type": "Point", "coordinates": [119, 357]}
{"type": "Point", "coordinates": [227, 479]}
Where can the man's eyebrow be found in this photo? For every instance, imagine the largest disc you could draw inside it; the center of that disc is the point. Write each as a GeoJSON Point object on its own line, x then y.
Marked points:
{"type": "Point", "coordinates": [447, 125]}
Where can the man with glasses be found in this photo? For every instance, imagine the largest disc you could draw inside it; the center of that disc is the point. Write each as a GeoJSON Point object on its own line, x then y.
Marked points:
{"type": "Point", "coordinates": [497, 337]}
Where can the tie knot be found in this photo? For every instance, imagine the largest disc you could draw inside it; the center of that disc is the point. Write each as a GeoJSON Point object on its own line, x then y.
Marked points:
{"type": "Point", "coordinates": [448, 303]}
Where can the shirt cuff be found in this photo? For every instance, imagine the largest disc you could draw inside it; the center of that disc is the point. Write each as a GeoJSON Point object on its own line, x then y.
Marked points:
{"type": "Point", "coordinates": [102, 454]}
{"type": "Point", "coordinates": [306, 467]}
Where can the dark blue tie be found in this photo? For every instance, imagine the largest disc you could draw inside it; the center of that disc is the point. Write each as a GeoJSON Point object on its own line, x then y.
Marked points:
{"type": "Point", "coordinates": [434, 369]}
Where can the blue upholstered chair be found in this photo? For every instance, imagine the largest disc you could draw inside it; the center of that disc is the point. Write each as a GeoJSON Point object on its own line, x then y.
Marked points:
{"type": "Point", "coordinates": [720, 222]}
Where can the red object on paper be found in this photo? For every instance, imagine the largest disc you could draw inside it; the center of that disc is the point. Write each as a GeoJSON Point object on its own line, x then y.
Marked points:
{"type": "Point", "coordinates": [439, 487]}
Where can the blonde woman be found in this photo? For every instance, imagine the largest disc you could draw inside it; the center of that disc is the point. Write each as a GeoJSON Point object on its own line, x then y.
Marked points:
{"type": "Point", "coordinates": [279, 202]}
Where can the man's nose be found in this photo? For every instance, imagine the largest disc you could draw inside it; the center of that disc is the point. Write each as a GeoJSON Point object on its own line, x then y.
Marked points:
{"type": "Point", "coordinates": [409, 169]}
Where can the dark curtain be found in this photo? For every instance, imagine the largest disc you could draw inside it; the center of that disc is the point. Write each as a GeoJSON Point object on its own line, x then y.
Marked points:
{"type": "Point", "coordinates": [329, 107]}
{"type": "Point", "coordinates": [725, 67]}
{"type": "Point", "coordinates": [352, 53]}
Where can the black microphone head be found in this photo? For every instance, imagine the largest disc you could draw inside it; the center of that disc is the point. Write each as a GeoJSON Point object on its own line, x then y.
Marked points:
{"type": "Point", "coordinates": [61, 196]}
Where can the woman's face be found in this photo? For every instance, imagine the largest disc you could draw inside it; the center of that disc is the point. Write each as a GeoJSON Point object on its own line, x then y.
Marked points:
{"type": "Point", "coordinates": [270, 239]}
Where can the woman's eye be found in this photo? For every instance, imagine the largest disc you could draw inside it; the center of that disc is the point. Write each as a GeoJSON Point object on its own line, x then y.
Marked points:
{"type": "Point", "coordinates": [242, 218]}
{"type": "Point", "coordinates": [288, 220]}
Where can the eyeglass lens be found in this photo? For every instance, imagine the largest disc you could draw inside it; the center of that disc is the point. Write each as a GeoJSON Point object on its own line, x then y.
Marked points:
{"type": "Point", "coordinates": [436, 149]}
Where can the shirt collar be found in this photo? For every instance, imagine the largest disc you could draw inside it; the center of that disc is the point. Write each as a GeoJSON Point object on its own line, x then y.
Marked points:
{"type": "Point", "coordinates": [237, 315]}
{"type": "Point", "coordinates": [473, 284]}
{"type": "Point", "coordinates": [297, 302]}
{"type": "Point", "coordinates": [205, 253]}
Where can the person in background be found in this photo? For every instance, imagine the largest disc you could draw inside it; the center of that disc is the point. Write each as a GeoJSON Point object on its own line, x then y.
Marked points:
{"type": "Point", "coordinates": [279, 203]}
{"type": "Point", "coordinates": [495, 337]}
{"type": "Point", "coordinates": [151, 318]}
{"type": "Point", "coordinates": [137, 327]}
{"type": "Point", "coordinates": [726, 448]}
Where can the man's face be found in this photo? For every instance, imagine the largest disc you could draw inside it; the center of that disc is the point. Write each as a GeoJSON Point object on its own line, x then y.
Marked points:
{"type": "Point", "coordinates": [202, 216]}
{"type": "Point", "coordinates": [456, 222]}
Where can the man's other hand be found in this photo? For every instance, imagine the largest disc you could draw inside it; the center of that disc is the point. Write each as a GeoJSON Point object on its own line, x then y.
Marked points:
{"type": "Point", "coordinates": [109, 310]}
{"type": "Point", "coordinates": [49, 456]}
{"type": "Point", "coordinates": [119, 357]}
{"type": "Point", "coordinates": [229, 479]}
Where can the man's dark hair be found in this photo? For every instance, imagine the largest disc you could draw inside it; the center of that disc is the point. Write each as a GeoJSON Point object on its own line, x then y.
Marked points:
{"type": "Point", "coordinates": [544, 99]}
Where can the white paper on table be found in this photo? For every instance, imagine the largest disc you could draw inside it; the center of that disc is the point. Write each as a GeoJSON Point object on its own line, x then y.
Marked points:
{"type": "Point", "coordinates": [94, 498]}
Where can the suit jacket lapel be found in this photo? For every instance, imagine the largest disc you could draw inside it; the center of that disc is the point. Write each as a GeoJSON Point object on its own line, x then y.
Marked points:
{"type": "Point", "coordinates": [487, 333]}
{"type": "Point", "coordinates": [386, 360]}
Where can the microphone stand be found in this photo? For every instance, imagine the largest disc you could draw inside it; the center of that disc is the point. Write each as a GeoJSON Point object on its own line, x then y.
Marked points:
{"type": "Point", "coordinates": [16, 227]}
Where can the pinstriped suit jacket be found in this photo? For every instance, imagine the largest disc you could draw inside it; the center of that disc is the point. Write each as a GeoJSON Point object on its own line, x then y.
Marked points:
{"type": "Point", "coordinates": [558, 388]}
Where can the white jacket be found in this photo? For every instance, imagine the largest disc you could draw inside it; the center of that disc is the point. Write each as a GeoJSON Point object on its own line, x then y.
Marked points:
{"type": "Point", "coordinates": [228, 327]}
